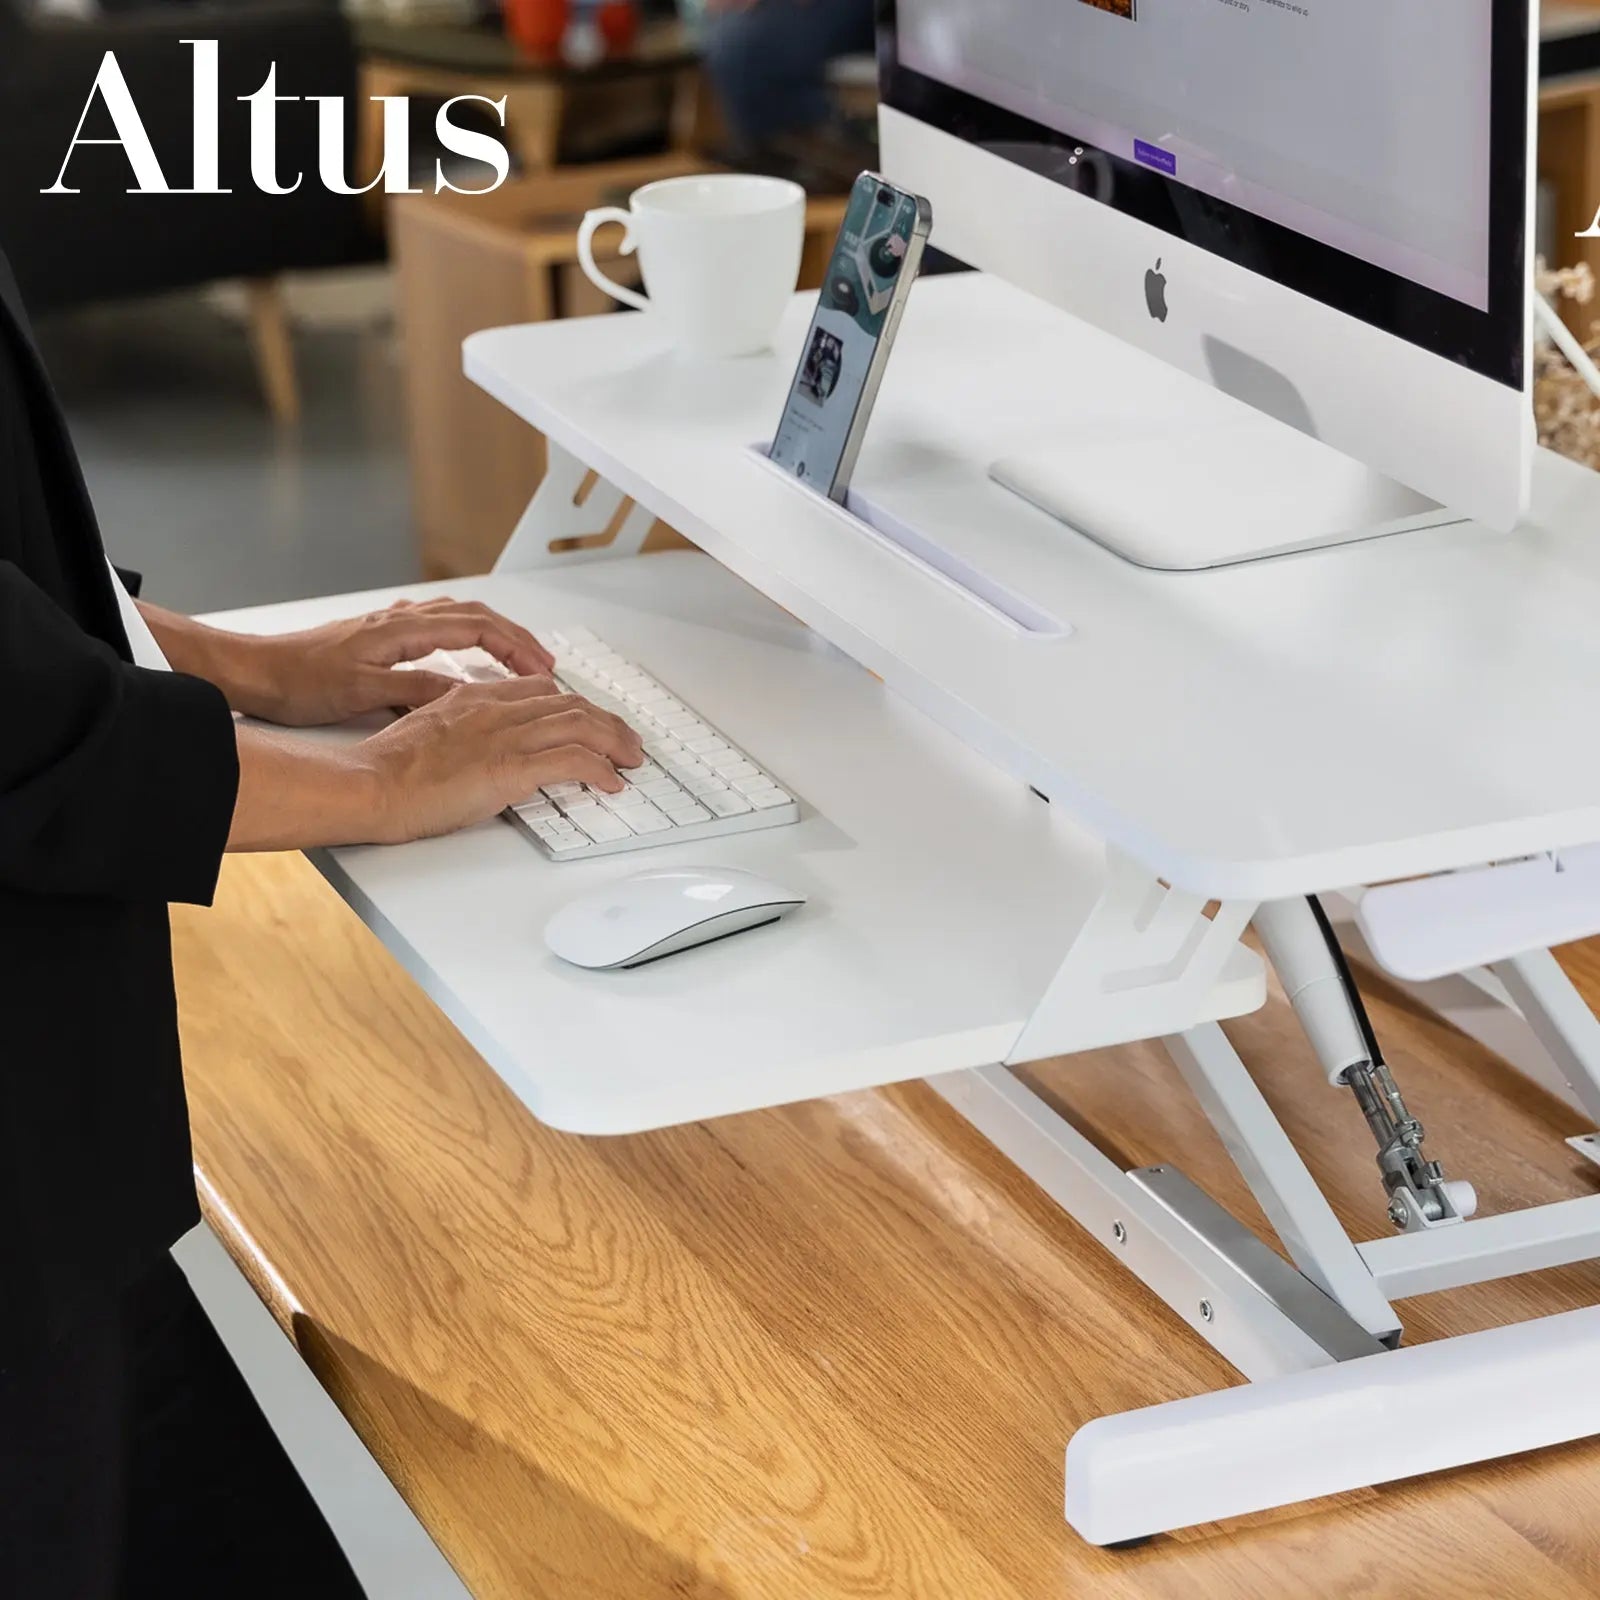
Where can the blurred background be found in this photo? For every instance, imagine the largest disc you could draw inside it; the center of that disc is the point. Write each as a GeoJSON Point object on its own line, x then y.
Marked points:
{"type": "Point", "coordinates": [266, 389]}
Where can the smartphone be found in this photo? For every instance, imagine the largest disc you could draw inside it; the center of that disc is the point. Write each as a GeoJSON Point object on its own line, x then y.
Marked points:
{"type": "Point", "coordinates": [870, 273]}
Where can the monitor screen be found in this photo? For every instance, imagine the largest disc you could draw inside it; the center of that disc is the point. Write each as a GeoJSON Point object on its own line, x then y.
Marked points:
{"type": "Point", "coordinates": [1372, 154]}
{"type": "Point", "coordinates": [1364, 124]}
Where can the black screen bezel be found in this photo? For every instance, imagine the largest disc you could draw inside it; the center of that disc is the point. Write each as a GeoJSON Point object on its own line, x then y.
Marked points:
{"type": "Point", "coordinates": [1491, 342]}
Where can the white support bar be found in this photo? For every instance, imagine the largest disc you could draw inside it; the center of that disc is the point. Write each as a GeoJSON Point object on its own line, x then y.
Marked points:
{"type": "Point", "coordinates": [1486, 1248]}
{"type": "Point", "coordinates": [1561, 1020]}
{"type": "Point", "coordinates": [1155, 1244]}
{"type": "Point", "coordinates": [1297, 1209]}
{"type": "Point", "coordinates": [1471, 1398]}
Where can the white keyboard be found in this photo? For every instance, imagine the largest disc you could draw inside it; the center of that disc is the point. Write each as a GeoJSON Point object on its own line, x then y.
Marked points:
{"type": "Point", "coordinates": [694, 784]}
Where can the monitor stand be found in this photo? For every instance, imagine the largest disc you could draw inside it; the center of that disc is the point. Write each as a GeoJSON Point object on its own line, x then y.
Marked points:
{"type": "Point", "coordinates": [1193, 492]}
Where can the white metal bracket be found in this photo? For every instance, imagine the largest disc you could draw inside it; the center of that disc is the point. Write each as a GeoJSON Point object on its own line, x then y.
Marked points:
{"type": "Point", "coordinates": [1279, 1179]}
{"type": "Point", "coordinates": [574, 503]}
{"type": "Point", "coordinates": [1142, 963]}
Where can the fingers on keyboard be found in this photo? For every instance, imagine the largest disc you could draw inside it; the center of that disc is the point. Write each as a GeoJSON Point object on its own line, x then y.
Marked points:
{"type": "Point", "coordinates": [691, 777]}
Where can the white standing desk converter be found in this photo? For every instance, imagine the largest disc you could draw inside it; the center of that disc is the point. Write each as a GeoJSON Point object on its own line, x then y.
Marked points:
{"type": "Point", "coordinates": [1011, 833]}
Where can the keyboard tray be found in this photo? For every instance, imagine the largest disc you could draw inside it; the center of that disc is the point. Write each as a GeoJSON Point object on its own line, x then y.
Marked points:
{"type": "Point", "coordinates": [942, 893]}
{"type": "Point", "coordinates": [1434, 927]}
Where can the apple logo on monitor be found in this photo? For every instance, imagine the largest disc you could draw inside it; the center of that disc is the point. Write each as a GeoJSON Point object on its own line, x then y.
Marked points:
{"type": "Point", "coordinates": [1155, 292]}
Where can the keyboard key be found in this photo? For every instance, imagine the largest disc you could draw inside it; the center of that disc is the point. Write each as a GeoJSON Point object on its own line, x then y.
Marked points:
{"type": "Point", "coordinates": [605, 827]}
{"type": "Point", "coordinates": [566, 842]}
{"type": "Point", "coordinates": [767, 799]}
{"type": "Point", "coordinates": [731, 763]}
{"type": "Point", "coordinates": [579, 812]}
{"type": "Point", "coordinates": [686, 814]}
{"type": "Point", "coordinates": [661, 749]}
{"type": "Point", "coordinates": [706, 785]}
{"type": "Point", "coordinates": [727, 804]}
{"type": "Point", "coordinates": [648, 820]}
{"type": "Point", "coordinates": [746, 783]}
{"type": "Point", "coordinates": [628, 800]}
{"type": "Point", "coordinates": [706, 745]}
{"type": "Point", "coordinates": [735, 770]}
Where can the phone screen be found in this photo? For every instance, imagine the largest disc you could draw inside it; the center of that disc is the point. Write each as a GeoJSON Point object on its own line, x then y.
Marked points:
{"type": "Point", "coordinates": [837, 357]}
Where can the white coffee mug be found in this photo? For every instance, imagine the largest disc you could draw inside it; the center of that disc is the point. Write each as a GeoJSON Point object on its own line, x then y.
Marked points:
{"type": "Point", "coordinates": [720, 255]}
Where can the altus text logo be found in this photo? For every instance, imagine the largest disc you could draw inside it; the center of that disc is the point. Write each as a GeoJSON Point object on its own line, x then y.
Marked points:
{"type": "Point", "coordinates": [110, 88]}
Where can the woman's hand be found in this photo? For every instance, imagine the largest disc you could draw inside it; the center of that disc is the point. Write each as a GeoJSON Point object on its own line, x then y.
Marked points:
{"type": "Point", "coordinates": [344, 669]}
{"type": "Point", "coordinates": [462, 758]}
{"type": "Point", "coordinates": [481, 747]}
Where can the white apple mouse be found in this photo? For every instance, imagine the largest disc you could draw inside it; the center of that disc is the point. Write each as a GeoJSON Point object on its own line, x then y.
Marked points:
{"type": "Point", "coordinates": [655, 914]}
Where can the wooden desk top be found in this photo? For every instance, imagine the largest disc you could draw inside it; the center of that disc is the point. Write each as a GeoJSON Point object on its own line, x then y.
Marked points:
{"type": "Point", "coordinates": [829, 1351]}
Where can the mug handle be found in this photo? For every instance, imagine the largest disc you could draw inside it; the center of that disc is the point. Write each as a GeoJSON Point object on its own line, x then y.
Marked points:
{"type": "Point", "coordinates": [593, 221]}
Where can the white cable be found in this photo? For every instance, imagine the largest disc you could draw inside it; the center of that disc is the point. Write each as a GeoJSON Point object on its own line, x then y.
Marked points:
{"type": "Point", "coordinates": [1566, 342]}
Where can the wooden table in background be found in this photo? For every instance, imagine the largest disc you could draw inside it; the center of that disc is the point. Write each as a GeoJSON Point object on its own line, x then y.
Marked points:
{"type": "Point", "coordinates": [828, 1351]}
{"type": "Point", "coordinates": [443, 60]}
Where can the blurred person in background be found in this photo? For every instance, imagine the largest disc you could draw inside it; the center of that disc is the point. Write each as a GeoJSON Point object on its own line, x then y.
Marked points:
{"type": "Point", "coordinates": [134, 1461]}
{"type": "Point", "coordinates": [768, 61]}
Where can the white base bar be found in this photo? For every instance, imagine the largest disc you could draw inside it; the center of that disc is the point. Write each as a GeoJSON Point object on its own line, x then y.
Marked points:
{"type": "Point", "coordinates": [1534, 1240]}
{"type": "Point", "coordinates": [1331, 1429]}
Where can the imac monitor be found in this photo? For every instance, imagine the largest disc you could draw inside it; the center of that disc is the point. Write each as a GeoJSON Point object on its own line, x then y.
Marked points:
{"type": "Point", "coordinates": [1319, 208]}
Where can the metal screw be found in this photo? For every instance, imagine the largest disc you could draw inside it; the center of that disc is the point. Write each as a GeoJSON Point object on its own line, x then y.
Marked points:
{"type": "Point", "coordinates": [1119, 1233]}
{"type": "Point", "coordinates": [1206, 1313]}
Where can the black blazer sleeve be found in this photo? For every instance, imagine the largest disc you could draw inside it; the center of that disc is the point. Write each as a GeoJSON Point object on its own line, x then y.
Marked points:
{"type": "Point", "coordinates": [115, 780]}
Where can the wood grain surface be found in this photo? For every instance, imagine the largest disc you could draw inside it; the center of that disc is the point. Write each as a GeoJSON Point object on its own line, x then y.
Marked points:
{"type": "Point", "coordinates": [831, 1350]}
